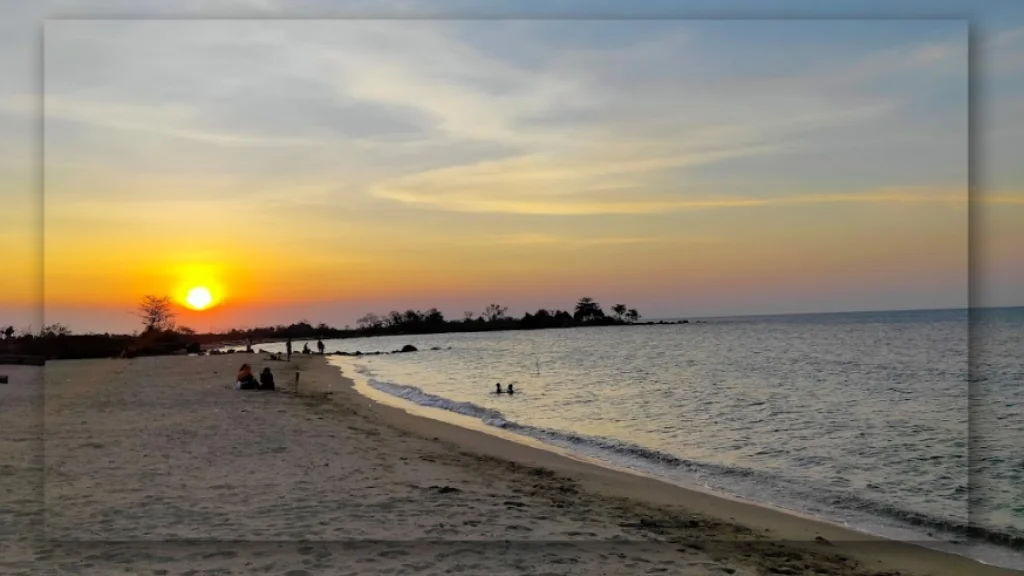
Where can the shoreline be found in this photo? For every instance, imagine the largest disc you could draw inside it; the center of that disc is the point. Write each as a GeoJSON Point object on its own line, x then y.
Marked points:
{"type": "Point", "coordinates": [156, 465]}
{"type": "Point", "coordinates": [790, 526]}
{"type": "Point", "coordinates": [979, 549]}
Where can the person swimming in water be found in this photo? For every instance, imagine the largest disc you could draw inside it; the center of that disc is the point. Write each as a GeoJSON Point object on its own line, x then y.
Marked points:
{"type": "Point", "coordinates": [498, 388]}
{"type": "Point", "coordinates": [510, 390]}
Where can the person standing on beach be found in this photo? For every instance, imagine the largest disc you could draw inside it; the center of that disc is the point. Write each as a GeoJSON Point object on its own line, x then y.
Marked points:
{"type": "Point", "coordinates": [320, 346]}
{"type": "Point", "coordinates": [288, 347]}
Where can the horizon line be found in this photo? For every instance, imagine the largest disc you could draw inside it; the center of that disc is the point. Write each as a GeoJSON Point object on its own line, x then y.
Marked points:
{"type": "Point", "coordinates": [667, 318]}
{"type": "Point", "coordinates": [765, 314]}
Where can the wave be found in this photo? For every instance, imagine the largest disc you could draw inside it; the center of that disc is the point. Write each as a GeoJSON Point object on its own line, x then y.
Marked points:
{"type": "Point", "coordinates": [732, 478]}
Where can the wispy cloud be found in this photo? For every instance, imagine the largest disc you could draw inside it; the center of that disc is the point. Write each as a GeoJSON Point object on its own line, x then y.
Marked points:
{"type": "Point", "coordinates": [1007, 37]}
{"type": "Point", "coordinates": [568, 241]}
{"type": "Point", "coordinates": [585, 207]}
{"type": "Point", "coordinates": [1012, 198]}
{"type": "Point", "coordinates": [166, 120]}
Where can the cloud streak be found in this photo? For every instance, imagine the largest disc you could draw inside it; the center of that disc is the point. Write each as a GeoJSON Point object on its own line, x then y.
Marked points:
{"type": "Point", "coordinates": [551, 240]}
{"type": "Point", "coordinates": [653, 206]}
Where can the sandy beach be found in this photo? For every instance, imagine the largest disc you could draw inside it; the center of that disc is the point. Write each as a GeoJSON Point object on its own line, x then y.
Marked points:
{"type": "Point", "coordinates": [157, 466]}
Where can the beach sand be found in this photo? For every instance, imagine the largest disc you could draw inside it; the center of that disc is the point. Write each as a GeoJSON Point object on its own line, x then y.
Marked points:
{"type": "Point", "coordinates": [156, 466]}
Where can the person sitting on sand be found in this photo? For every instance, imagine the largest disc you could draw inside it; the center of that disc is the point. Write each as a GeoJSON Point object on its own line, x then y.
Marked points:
{"type": "Point", "coordinates": [266, 379]}
{"type": "Point", "coordinates": [498, 386]}
{"type": "Point", "coordinates": [246, 381]}
{"type": "Point", "coordinates": [305, 349]}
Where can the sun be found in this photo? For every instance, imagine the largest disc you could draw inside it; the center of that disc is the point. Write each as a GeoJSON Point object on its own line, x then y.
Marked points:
{"type": "Point", "coordinates": [199, 297]}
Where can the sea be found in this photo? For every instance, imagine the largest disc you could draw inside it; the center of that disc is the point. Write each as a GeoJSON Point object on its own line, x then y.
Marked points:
{"type": "Point", "coordinates": [902, 424]}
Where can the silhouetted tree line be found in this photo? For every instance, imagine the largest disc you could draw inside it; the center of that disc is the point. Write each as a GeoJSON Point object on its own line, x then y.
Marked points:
{"type": "Point", "coordinates": [494, 317]}
{"type": "Point", "coordinates": [58, 342]}
{"type": "Point", "coordinates": [161, 336]}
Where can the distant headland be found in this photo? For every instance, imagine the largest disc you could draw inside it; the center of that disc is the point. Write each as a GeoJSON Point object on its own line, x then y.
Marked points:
{"type": "Point", "coordinates": [160, 335]}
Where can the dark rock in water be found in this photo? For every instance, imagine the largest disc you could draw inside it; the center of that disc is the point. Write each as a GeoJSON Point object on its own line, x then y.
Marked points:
{"type": "Point", "coordinates": [358, 353]}
{"type": "Point", "coordinates": [408, 348]}
{"type": "Point", "coordinates": [193, 348]}
{"type": "Point", "coordinates": [230, 352]}
{"type": "Point", "coordinates": [685, 322]}
{"type": "Point", "coordinates": [445, 489]}
{"type": "Point", "coordinates": [821, 540]}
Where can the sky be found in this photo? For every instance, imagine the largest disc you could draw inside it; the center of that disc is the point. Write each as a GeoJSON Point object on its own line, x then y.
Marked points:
{"type": "Point", "coordinates": [322, 169]}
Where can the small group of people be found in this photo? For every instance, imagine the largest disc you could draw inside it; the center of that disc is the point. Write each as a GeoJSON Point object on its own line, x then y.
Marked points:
{"type": "Point", "coordinates": [246, 381]}
{"type": "Point", "coordinates": [305, 347]}
{"type": "Point", "coordinates": [510, 390]}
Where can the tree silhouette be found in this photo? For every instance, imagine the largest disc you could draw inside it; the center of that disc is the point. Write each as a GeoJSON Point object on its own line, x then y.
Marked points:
{"type": "Point", "coordinates": [412, 317]}
{"type": "Point", "coordinates": [632, 315]}
{"type": "Point", "coordinates": [468, 315]}
{"type": "Point", "coordinates": [156, 313]}
{"type": "Point", "coordinates": [495, 312]}
{"type": "Point", "coordinates": [434, 318]}
{"type": "Point", "coordinates": [369, 321]}
{"type": "Point", "coordinates": [54, 330]}
{"type": "Point", "coordinates": [587, 309]}
{"type": "Point", "coordinates": [8, 332]}
{"type": "Point", "coordinates": [395, 318]}
{"type": "Point", "coordinates": [619, 310]}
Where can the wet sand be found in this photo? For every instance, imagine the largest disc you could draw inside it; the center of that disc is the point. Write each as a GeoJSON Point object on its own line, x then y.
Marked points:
{"type": "Point", "coordinates": [157, 466]}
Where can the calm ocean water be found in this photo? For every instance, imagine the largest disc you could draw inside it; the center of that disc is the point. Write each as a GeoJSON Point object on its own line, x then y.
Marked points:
{"type": "Point", "coordinates": [856, 418]}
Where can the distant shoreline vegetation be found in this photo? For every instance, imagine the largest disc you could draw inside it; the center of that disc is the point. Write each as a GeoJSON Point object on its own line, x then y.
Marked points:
{"type": "Point", "coordinates": [161, 336]}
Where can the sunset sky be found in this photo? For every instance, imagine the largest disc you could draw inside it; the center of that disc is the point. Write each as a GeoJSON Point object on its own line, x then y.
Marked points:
{"type": "Point", "coordinates": [324, 169]}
